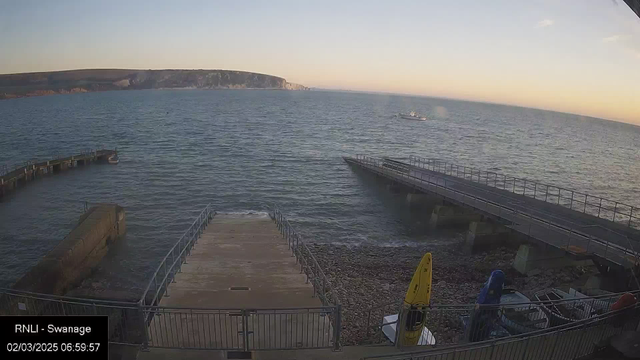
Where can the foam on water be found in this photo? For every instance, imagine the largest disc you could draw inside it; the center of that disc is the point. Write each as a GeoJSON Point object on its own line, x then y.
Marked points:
{"type": "Point", "coordinates": [250, 213]}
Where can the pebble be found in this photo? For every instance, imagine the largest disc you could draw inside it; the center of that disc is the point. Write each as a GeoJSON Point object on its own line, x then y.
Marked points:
{"type": "Point", "coordinates": [371, 282]}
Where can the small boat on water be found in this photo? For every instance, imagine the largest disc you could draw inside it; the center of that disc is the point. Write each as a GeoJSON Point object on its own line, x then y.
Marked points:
{"type": "Point", "coordinates": [563, 312]}
{"type": "Point", "coordinates": [113, 159]}
{"type": "Point", "coordinates": [412, 116]}
{"type": "Point", "coordinates": [523, 316]}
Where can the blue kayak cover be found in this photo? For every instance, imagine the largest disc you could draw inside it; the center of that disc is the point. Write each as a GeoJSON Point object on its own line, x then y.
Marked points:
{"type": "Point", "coordinates": [492, 290]}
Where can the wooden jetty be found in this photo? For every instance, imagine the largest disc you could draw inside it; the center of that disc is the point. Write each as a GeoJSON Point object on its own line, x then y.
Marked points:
{"type": "Point", "coordinates": [20, 175]}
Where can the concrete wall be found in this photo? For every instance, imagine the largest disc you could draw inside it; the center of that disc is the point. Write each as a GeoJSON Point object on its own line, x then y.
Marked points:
{"type": "Point", "coordinates": [486, 235]}
{"type": "Point", "coordinates": [78, 253]}
{"type": "Point", "coordinates": [443, 216]}
{"type": "Point", "coordinates": [530, 257]}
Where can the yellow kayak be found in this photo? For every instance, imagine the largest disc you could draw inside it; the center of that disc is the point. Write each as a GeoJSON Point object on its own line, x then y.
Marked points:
{"type": "Point", "coordinates": [418, 296]}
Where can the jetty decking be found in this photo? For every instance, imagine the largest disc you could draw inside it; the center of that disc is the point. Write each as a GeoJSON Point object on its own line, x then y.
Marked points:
{"type": "Point", "coordinates": [528, 212]}
{"type": "Point", "coordinates": [240, 289]}
{"type": "Point", "coordinates": [11, 179]}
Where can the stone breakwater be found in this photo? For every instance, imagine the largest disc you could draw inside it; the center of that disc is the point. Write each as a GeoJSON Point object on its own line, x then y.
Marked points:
{"type": "Point", "coordinates": [369, 276]}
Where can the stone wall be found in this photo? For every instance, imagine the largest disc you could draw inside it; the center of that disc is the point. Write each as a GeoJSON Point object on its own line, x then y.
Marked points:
{"type": "Point", "coordinates": [78, 253]}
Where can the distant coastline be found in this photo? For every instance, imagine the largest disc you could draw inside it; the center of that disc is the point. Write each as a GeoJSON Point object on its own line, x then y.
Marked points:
{"type": "Point", "coordinates": [90, 80]}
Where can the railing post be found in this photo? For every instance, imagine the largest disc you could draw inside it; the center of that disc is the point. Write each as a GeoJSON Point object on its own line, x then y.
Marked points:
{"type": "Point", "coordinates": [580, 341]}
{"type": "Point", "coordinates": [615, 209]}
{"type": "Point", "coordinates": [166, 277]}
{"type": "Point", "coordinates": [630, 216]}
{"type": "Point", "coordinates": [155, 284]}
{"type": "Point", "coordinates": [173, 261]}
{"type": "Point", "coordinates": [493, 348]}
{"type": "Point", "coordinates": [599, 207]}
{"type": "Point", "coordinates": [337, 327]}
{"type": "Point", "coordinates": [571, 207]}
{"type": "Point", "coordinates": [324, 287]}
{"type": "Point", "coordinates": [245, 329]}
{"type": "Point", "coordinates": [143, 323]}
{"type": "Point", "coordinates": [526, 347]}
{"type": "Point", "coordinates": [546, 193]}
{"type": "Point", "coordinates": [553, 349]}
{"type": "Point", "coordinates": [524, 188]}
{"type": "Point", "coordinates": [400, 327]}
{"type": "Point", "coordinates": [535, 190]}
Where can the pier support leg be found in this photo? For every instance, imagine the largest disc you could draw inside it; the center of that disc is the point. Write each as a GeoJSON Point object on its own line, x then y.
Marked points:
{"type": "Point", "coordinates": [530, 257]}
{"type": "Point", "coordinates": [452, 216]}
{"type": "Point", "coordinates": [485, 235]}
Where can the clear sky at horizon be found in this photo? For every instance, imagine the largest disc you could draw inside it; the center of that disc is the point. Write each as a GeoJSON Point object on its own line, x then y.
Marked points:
{"type": "Point", "coordinates": [577, 56]}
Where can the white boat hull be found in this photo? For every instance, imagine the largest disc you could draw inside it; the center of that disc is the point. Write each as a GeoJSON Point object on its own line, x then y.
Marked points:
{"type": "Point", "coordinates": [413, 118]}
{"type": "Point", "coordinates": [389, 330]}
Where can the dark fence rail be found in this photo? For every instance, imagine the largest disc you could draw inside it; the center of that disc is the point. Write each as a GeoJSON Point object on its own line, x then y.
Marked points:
{"type": "Point", "coordinates": [311, 268]}
{"type": "Point", "coordinates": [126, 320]}
{"type": "Point", "coordinates": [146, 324]}
{"type": "Point", "coordinates": [169, 266]}
{"type": "Point", "coordinates": [12, 170]}
{"type": "Point", "coordinates": [456, 324]}
{"type": "Point", "coordinates": [565, 342]}
{"type": "Point", "coordinates": [241, 329]}
{"type": "Point", "coordinates": [600, 207]}
{"type": "Point", "coordinates": [561, 236]}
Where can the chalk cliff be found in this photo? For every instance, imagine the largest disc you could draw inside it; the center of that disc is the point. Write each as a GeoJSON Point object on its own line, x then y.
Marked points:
{"type": "Point", "coordinates": [73, 81]}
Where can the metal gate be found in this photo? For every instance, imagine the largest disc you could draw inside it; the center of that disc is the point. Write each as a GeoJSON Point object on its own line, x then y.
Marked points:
{"type": "Point", "coordinates": [242, 329]}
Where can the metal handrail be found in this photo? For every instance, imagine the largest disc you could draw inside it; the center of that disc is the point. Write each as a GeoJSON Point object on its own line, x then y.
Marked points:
{"type": "Point", "coordinates": [433, 180]}
{"type": "Point", "coordinates": [310, 266]}
{"type": "Point", "coordinates": [534, 302]}
{"type": "Point", "coordinates": [66, 299]}
{"type": "Point", "coordinates": [295, 242]}
{"type": "Point", "coordinates": [176, 256]}
{"type": "Point", "coordinates": [534, 189]}
{"type": "Point", "coordinates": [152, 307]}
{"type": "Point", "coordinates": [597, 319]}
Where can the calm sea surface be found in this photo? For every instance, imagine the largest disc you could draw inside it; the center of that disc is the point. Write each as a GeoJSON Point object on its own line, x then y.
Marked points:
{"type": "Point", "coordinates": [240, 149]}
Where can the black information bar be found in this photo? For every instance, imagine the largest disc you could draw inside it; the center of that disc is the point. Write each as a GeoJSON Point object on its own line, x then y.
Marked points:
{"type": "Point", "coordinates": [40, 337]}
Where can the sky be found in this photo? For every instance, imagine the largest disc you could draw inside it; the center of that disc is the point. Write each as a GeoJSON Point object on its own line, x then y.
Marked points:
{"type": "Point", "coordinates": [576, 56]}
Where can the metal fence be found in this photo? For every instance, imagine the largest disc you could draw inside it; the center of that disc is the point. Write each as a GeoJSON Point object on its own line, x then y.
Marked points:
{"type": "Point", "coordinates": [146, 324]}
{"type": "Point", "coordinates": [6, 168]}
{"type": "Point", "coordinates": [126, 320]}
{"type": "Point", "coordinates": [308, 263]}
{"type": "Point", "coordinates": [241, 329]}
{"type": "Point", "coordinates": [455, 324]}
{"type": "Point", "coordinates": [564, 342]}
{"type": "Point", "coordinates": [600, 207]}
{"type": "Point", "coordinates": [562, 237]}
{"type": "Point", "coordinates": [169, 266]}
{"type": "Point", "coordinates": [311, 268]}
